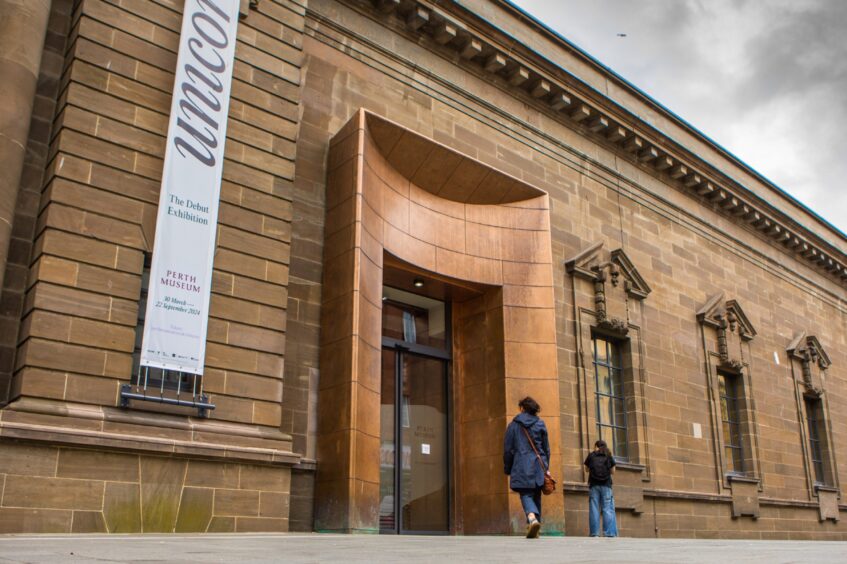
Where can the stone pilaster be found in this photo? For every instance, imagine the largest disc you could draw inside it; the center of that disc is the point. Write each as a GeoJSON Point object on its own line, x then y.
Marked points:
{"type": "Point", "coordinates": [23, 25]}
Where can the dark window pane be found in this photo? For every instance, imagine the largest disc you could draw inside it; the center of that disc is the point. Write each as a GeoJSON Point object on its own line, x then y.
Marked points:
{"type": "Point", "coordinates": [604, 385]}
{"type": "Point", "coordinates": [730, 402]}
{"type": "Point", "coordinates": [619, 407]}
{"type": "Point", "coordinates": [737, 460]}
{"type": "Point", "coordinates": [617, 382]}
{"type": "Point", "coordinates": [814, 428]}
{"type": "Point", "coordinates": [735, 434]}
{"type": "Point", "coordinates": [819, 472]}
{"type": "Point", "coordinates": [727, 435]}
{"type": "Point", "coordinates": [613, 356]}
{"type": "Point", "coordinates": [620, 449]}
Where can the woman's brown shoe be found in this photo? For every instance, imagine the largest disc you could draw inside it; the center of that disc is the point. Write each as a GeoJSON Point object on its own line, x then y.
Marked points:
{"type": "Point", "coordinates": [532, 529]}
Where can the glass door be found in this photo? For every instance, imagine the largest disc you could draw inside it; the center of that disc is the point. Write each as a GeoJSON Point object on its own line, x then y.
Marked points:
{"type": "Point", "coordinates": [414, 446]}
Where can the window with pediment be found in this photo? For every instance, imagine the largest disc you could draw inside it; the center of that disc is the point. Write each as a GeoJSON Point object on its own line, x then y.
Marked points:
{"type": "Point", "coordinates": [809, 365]}
{"type": "Point", "coordinates": [727, 333]}
{"type": "Point", "coordinates": [608, 291]}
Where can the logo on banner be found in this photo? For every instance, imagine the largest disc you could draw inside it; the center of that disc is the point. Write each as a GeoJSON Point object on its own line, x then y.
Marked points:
{"type": "Point", "coordinates": [181, 271]}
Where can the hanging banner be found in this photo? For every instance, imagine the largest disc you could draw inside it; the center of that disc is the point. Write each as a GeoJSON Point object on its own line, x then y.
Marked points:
{"type": "Point", "coordinates": [181, 272]}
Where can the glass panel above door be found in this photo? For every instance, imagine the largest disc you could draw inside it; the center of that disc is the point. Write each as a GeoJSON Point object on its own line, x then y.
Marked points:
{"type": "Point", "coordinates": [414, 319]}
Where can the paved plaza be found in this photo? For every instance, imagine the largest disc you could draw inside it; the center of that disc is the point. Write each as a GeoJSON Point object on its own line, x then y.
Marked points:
{"type": "Point", "coordinates": [303, 548]}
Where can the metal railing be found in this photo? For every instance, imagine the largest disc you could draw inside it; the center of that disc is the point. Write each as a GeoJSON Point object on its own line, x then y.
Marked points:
{"type": "Point", "coordinates": [169, 387]}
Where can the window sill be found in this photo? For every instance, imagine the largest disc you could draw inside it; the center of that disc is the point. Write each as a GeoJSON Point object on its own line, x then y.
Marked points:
{"type": "Point", "coordinates": [825, 488]}
{"type": "Point", "coordinates": [631, 466]}
{"type": "Point", "coordinates": [741, 478]}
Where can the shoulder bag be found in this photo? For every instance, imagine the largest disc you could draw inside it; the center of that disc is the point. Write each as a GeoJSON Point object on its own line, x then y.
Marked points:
{"type": "Point", "coordinates": [549, 483]}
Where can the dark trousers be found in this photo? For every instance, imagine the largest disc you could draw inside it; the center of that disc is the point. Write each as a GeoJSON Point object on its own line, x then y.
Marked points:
{"type": "Point", "coordinates": [531, 501]}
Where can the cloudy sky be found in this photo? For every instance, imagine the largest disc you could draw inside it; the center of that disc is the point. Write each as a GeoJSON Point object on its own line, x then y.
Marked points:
{"type": "Point", "coordinates": [766, 79]}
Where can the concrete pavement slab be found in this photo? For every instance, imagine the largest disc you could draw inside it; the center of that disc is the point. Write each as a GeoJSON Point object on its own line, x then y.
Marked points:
{"type": "Point", "coordinates": [309, 548]}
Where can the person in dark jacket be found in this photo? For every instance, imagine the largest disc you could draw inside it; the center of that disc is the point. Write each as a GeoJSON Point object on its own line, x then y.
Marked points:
{"type": "Point", "coordinates": [526, 475]}
{"type": "Point", "coordinates": [601, 465]}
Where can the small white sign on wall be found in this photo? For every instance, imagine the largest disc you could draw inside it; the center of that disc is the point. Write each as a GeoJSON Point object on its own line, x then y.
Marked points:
{"type": "Point", "coordinates": [424, 448]}
{"type": "Point", "coordinates": [697, 430]}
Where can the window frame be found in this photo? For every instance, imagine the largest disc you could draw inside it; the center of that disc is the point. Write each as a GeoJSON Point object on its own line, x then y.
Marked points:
{"type": "Point", "coordinates": [614, 365]}
{"type": "Point", "coordinates": [809, 364]}
{"type": "Point", "coordinates": [816, 437]}
{"type": "Point", "coordinates": [730, 406]}
{"type": "Point", "coordinates": [746, 450]}
{"type": "Point", "coordinates": [726, 335]}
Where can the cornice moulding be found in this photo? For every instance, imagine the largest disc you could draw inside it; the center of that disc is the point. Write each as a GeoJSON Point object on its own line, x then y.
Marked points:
{"type": "Point", "coordinates": [544, 83]}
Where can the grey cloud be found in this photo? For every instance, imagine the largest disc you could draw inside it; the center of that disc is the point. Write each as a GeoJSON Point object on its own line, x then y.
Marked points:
{"type": "Point", "coordinates": [767, 80]}
{"type": "Point", "coordinates": [803, 50]}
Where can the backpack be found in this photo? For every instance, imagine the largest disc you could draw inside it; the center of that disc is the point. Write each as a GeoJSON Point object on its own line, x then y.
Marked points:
{"type": "Point", "coordinates": [599, 467]}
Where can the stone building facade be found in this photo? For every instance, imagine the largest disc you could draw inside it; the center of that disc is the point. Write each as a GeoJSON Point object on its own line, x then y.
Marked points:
{"type": "Point", "coordinates": [428, 211]}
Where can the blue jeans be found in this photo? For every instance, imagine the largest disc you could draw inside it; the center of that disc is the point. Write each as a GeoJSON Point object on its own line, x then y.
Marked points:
{"type": "Point", "coordinates": [531, 501]}
{"type": "Point", "coordinates": [601, 498]}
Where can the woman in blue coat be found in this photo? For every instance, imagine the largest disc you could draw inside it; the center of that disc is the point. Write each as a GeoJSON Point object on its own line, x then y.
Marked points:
{"type": "Point", "coordinates": [526, 476]}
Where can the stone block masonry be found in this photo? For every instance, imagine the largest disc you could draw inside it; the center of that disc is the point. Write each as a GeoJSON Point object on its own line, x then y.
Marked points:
{"type": "Point", "coordinates": [97, 217]}
{"type": "Point", "coordinates": [76, 277]}
{"type": "Point", "coordinates": [47, 489]}
{"type": "Point", "coordinates": [695, 267]}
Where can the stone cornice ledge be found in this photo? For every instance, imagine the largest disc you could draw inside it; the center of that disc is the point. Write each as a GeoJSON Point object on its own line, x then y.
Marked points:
{"type": "Point", "coordinates": [76, 436]}
{"type": "Point", "coordinates": [521, 69]}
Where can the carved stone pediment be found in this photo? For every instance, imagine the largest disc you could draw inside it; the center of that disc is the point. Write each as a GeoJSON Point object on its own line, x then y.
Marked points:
{"type": "Point", "coordinates": [634, 283]}
{"type": "Point", "coordinates": [598, 267]}
{"type": "Point", "coordinates": [813, 359]}
{"type": "Point", "coordinates": [717, 313]}
{"type": "Point", "coordinates": [807, 347]}
{"type": "Point", "coordinates": [727, 318]}
{"type": "Point", "coordinates": [580, 265]}
{"type": "Point", "coordinates": [593, 264]}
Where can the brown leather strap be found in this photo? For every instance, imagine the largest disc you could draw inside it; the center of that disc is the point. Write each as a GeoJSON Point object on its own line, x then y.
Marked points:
{"type": "Point", "coordinates": [532, 444]}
